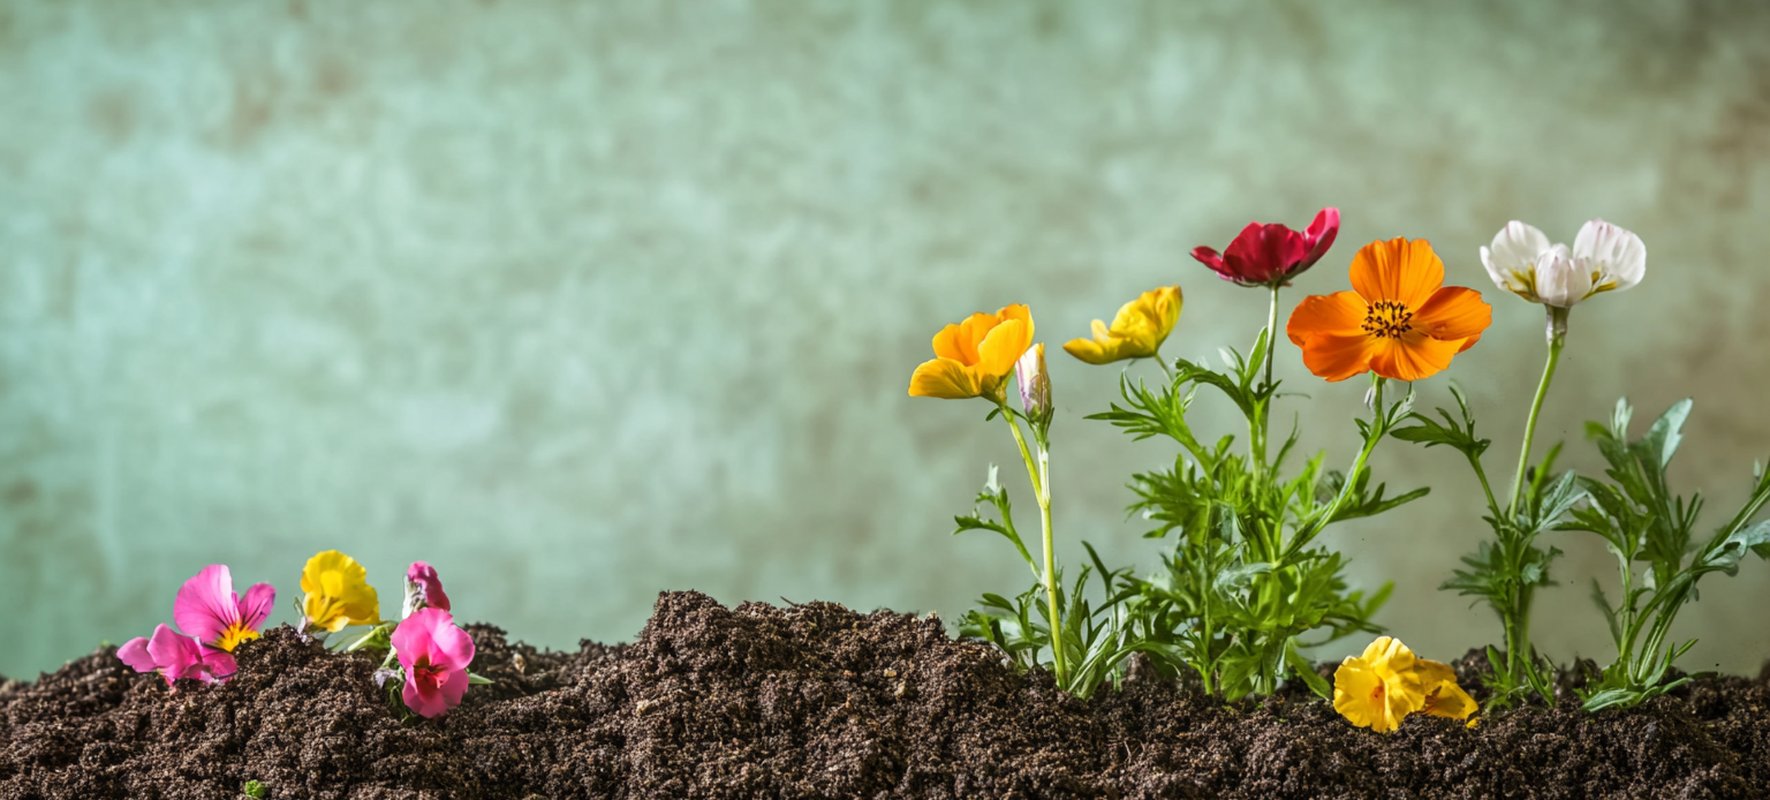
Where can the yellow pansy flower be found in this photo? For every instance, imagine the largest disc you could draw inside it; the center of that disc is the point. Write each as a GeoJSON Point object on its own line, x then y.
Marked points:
{"type": "Point", "coordinates": [1378, 689]}
{"type": "Point", "coordinates": [974, 358]}
{"type": "Point", "coordinates": [338, 593]}
{"type": "Point", "coordinates": [1137, 331]}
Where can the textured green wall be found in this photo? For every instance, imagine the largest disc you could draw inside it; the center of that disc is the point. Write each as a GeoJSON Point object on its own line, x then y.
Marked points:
{"type": "Point", "coordinates": [581, 301]}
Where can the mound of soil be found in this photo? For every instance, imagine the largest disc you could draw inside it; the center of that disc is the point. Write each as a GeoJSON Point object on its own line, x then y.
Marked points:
{"type": "Point", "coordinates": [816, 701]}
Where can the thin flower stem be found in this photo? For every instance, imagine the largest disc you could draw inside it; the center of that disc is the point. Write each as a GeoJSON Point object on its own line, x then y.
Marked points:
{"type": "Point", "coordinates": [1536, 407]}
{"type": "Point", "coordinates": [1038, 474]}
{"type": "Point", "coordinates": [1271, 333]}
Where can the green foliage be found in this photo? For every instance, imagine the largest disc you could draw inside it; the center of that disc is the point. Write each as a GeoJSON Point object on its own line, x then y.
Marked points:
{"type": "Point", "coordinates": [1506, 571]}
{"type": "Point", "coordinates": [254, 790]}
{"type": "Point", "coordinates": [1652, 533]}
{"type": "Point", "coordinates": [1097, 636]}
{"type": "Point", "coordinates": [1245, 581]}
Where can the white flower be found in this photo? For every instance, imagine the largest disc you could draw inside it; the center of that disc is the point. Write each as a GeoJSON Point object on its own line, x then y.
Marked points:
{"type": "Point", "coordinates": [1603, 258]}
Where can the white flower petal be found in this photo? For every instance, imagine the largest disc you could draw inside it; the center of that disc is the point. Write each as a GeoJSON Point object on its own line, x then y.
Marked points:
{"type": "Point", "coordinates": [1511, 259]}
{"type": "Point", "coordinates": [1561, 280]}
{"type": "Point", "coordinates": [1616, 255]}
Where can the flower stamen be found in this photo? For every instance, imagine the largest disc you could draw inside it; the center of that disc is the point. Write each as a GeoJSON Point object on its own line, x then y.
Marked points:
{"type": "Point", "coordinates": [1388, 319]}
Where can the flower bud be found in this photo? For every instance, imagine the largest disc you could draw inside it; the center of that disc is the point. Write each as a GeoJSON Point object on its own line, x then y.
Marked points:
{"type": "Point", "coordinates": [424, 589]}
{"type": "Point", "coordinates": [1035, 385]}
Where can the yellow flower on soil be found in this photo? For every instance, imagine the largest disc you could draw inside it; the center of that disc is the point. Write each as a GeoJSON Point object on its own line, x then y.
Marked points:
{"type": "Point", "coordinates": [1137, 331]}
{"type": "Point", "coordinates": [1378, 689]}
{"type": "Point", "coordinates": [974, 358]}
{"type": "Point", "coordinates": [1444, 698]}
{"type": "Point", "coordinates": [338, 593]}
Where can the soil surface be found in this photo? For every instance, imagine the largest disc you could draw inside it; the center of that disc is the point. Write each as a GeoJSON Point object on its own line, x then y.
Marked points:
{"type": "Point", "coordinates": [816, 701]}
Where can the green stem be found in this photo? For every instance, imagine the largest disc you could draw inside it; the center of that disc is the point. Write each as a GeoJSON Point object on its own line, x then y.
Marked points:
{"type": "Point", "coordinates": [1378, 428]}
{"type": "Point", "coordinates": [1536, 406]}
{"type": "Point", "coordinates": [1258, 423]}
{"type": "Point", "coordinates": [1038, 474]}
{"type": "Point", "coordinates": [1271, 333]}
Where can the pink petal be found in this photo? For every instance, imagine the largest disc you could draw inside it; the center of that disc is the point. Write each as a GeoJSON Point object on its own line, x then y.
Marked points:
{"type": "Point", "coordinates": [174, 654]}
{"type": "Point", "coordinates": [422, 578]}
{"type": "Point", "coordinates": [1209, 257]}
{"type": "Point", "coordinates": [218, 665]}
{"type": "Point", "coordinates": [135, 653]}
{"type": "Point", "coordinates": [412, 638]}
{"type": "Point", "coordinates": [256, 605]}
{"type": "Point", "coordinates": [1321, 235]}
{"type": "Point", "coordinates": [451, 647]}
{"type": "Point", "coordinates": [206, 606]}
{"type": "Point", "coordinates": [425, 704]}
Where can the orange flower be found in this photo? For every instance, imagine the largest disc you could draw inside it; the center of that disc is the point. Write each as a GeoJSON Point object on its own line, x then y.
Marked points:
{"type": "Point", "coordinates": [1400, 321]}
{"type": "Point", "coordinates": [975, 357]}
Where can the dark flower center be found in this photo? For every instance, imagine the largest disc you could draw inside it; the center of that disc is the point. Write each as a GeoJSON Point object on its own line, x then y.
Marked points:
{"type": "Point", "coordinates": [1388, 319]}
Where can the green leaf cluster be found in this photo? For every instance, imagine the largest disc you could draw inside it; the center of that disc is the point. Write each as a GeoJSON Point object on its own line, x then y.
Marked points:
{"type": "Point", "coordinates": [1652, 533]}
{"type": "Point", "coordinates": [1246, 584]}
{"type": "Point", "coordinates": [1506, 571]}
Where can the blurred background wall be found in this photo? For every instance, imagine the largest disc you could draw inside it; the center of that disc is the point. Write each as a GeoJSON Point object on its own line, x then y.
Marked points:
{"type": "Point", "coordinates": [581, 301]}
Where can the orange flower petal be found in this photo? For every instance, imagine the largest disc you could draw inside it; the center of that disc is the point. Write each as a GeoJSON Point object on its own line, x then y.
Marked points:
{"type": "Point", "coordinates": [1403, 270]}
{"type": "Point", "coordinates": [1335, 358]}
{"type": "Point", "coordinates": [944, 378]}
{"type": "Point", "coordinates": [946, 344]}
{"type": "Point", "coordinates": [1412, 357]}
{"type": "Point", "coordinates": [1003, 347]}
{"type": "Point", "coordinates": [1337, 314]}
{"type": "Point", "coordinates": [1454, 312]}
{"type": "Point", "coordinates": [971, 332]}
{"type": "Point", "coordinates": [1020, 312]}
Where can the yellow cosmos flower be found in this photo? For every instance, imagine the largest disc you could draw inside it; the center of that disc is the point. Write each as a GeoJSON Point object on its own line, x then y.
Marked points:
{"type": "Point", "coordinates": [1137, 331]}
{"type": "Point", "coordinates": [974, 358]}
{"type": "Point", "coordinates": [1378, 689]}
{"type": "Point", "coordinates": [338, 593]}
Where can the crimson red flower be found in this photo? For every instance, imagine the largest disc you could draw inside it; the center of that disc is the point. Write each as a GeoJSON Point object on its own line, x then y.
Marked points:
{"type": "Point", "coordinates": [1271, 254]}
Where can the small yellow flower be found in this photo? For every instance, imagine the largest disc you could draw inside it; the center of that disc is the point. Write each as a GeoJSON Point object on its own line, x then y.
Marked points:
{"type": "Point", "coordinates": [1378, 689]}
{"type": "Point", "coordinates": [338, 593]}
{"type": "Point", "coordinates": [1444, 698]}
{"type": "Point", "coordinates": [974, 358]}
{"type": "Point", "coordinates": [1137, 331]}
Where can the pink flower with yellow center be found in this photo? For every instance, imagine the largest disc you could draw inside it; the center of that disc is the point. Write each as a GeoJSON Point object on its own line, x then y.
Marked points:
{"type": "Point", "coordinates": [176, 657]}
{"type": "Point", "coordinates": [208, 610]}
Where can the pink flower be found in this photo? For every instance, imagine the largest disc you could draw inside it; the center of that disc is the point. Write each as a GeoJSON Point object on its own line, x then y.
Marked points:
{"type": "Point", "coordinates": [1272, 254]}
{"type": "Point", "coordinates": [424, 589]}
{"type": "Point", "coordinates": [208, 609]}
{"type": "Point", "coordinates": [434, 654]}
{"type": "Point", "coordinates": [176, 657]}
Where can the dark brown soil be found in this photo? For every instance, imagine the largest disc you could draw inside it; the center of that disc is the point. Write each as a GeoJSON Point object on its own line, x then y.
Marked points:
{"type": "Point", "coordinates": [816, 701]}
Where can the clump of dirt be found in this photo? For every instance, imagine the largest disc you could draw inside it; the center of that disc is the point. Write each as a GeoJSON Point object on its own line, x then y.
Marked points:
{"type": "Point", "coordinates": [816, 701]}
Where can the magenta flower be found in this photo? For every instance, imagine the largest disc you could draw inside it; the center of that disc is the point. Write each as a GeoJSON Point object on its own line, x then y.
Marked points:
{"type": "Point", "coordinates": [208, 609]}
{"type": "Point", "coordinates": [176, 657]}
{"type": "Point", "coordinates": [424, 589]}
{"type": "Point", "coordinates": [1271, 254]}
{"type": "Point", "coordinates": [434, 654]}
